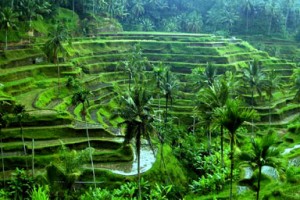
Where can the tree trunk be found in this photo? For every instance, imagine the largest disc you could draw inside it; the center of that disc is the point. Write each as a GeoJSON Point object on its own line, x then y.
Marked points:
{"type": "Point", "coordinates": [208, 135]}
{"type": "Point", "coordinates": [258, 182]}
{"type": "Point", "coordinates": [247, 22]}
{"type": "Point", "coordinates": [270, 26]}
{"type": "Point", "coordinates": [194, 124]}
{"type": "Point", "coordinates": [73, 8]}
{"type": "Point", "coordinates": [32, 157]}
{"type": "Point", "coordinates": [58, 79]}
{"type": "Point", "coordinates": [129, 80]}
{"type": "Point", "coordinates": [231, 163]}
{"type": "Point", "coordinates": [286, 19]}
{"type": "Point", "coordinates": [252, 106]}
{"type": "Point", "coordinates": [2, 159]}
{"type": "Point", "coordinates": [138, 151]}
{"type": "Point", "coordinates": [89, 144]}
{"type": "Point", "coordinates": [6, 39]}
{"type": "Point", "coordinates": [159, 117]}
{"type": "Point", "coordinates": [222, 147]}
{"type": "Point", "coordinates": [166, 117]}
{"type": "Point", "coordinates": [270, 116]}
{"type": "Point", "coordinates": [93, 6]}
{"type": "Point", "coordinates": [24, 146]}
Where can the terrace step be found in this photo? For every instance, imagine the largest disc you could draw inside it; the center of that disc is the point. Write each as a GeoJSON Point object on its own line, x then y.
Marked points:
{"type": "Point", "coordinates": [39, 72]}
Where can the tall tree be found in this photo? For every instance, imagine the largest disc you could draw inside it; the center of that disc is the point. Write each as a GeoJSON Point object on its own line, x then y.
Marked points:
{"type": "Point", "coordinates": [62, 174]}
{"type": "Point", "coordinates": [272, 83]}
{"type": "Point", "coordinates": [168, 85]}
{"type": "Point", "coordinates": [136, 111]}
{"type": "Point", "coordinates": [134, 65]}
{"type": "Point", "coordinates": [262, 153]}
{"type": "Point", "coordinates": [248, 8]}
{"type": "Point", "coordinates": [81, 97]}
{"type": "Point", "coordinates": [8, 20]}
{"type": "Point", "coordinates": [204, 77]}
{"type": "Point", "coordinates": [209, 99]}
{"type": "Point", "coordinates": [254, 79]}
{"type": "Point", "coordinates": [20, 112]}
{"type": "Point", "coordinates": [232, 116]}
{"type": "Point", "coordinates": [159, 71]}
{"type": "Point", "coordinates": [54, 46]}
{"type": "Point", "coordinates": [3, 123]}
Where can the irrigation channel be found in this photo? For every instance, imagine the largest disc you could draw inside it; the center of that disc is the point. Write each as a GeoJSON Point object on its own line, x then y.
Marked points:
{"type": "Point", "coordinates": [130, 168]}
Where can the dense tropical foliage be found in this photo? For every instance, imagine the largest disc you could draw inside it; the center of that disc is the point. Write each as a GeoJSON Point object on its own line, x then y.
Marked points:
{"type": "Point", "coordinates": [219, 117]}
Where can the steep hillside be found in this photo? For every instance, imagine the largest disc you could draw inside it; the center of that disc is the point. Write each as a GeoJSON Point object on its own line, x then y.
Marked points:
{"type": "Point", "coordinates": [27, 78]}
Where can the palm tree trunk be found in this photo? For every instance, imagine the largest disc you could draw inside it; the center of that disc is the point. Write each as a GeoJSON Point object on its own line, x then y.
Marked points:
{"type": "Point", "coordinates": [23, 141]}
{"type": "Point", "coordinates": [270, 25]}
{"type": "Point", "coordinates": [2, 159]}
{"type": "Point", "coordinates": [93, 6]}
{"type": "Point", "coordinates": [286, 19]}
{"type": "Point", "coordinates": [208, 135]}
{"type": "Point", "coordinates": [258, 182]}
{"type": "Point", "coordinates": [194, 124]}
{"type": "Point", "coordinates": [270, 100]}
{"type": "Point", "coordinates": [252, 106]}
{"type": "Point", "coordinates": [58, 79]}
{"type": "Point", "coordinates": [270, 116]}
{"type": "Point", "coordinates": [90, 150]}
{"type": "Point", "coordinates": [32, 157]}
{"type": "Point", "coordinates": [129, 80]}
{"type": "Point", "coordinates": [5, 39]}
{"type": "Point", "coordinates": [159, 117]}
{"type": "Point", "coordinates": [138, 149]}
{"type": "Point", "coordinates": [73, 7]}
{"type": "Point", "coordinates": [247, 22]}
{"type": "Point", "coordinates": [231, 163]}
{"type": "Point", "coordinates": [166, 117]}
{"type": "Point", "coordinates": [222, 147]}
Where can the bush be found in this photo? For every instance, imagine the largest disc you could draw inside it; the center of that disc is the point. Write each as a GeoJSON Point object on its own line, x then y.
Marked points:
{"type": "Point", "coordinates": [97, 193]}
{"type": "Point", "coordinates": [21, 185]}
{"type": "Point", "coordinates": [215, 176]}
{"type": "Point", "coordinates": [40, 193]}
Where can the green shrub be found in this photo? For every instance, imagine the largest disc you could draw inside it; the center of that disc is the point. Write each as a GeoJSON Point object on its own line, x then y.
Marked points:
{"type": "Point", "coordinates": [40, 193]}
{"type": "Point", "coordinates": [20, 186]}
{"type": "Point", "coordinates": [97, 194]}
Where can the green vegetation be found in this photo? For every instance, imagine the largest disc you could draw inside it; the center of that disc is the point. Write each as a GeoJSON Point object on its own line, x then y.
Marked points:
{"type": "Point", "coordinates": [149, 115]}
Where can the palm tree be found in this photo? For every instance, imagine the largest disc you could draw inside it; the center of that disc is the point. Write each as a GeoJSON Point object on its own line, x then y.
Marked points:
{"type": "Point", "coordinates": [20, 113]}
{"type": "Point", "coordinates": [247, 8]}
{"type": "Point", "coordinates": [296, 78]}
{"type": "Point", "coordinates": [66, 169]}
{"type": "Point", "coordinates": [232, 116]}
{"type": "Point", "coordinates": [54, 46]}
{"type": "Point", "coordinates": [254, 78]}
{"type": "Point", "coordinates": [8, 20]}
{"type": "Point", "coordinates": [135, 65]}
{"type": "Point", "coordinates": [168, 85]}
{"type": "Point", "coordinates": [136, 111]}
{"type": "Point", "coordinates": [272, 83]}
{"type": "Point", "coordinates": [262, 153]}
{"type": "Point", "coordinates": [204, 78]}
{"type": "Point", "coordinates": [3, 123]}
{"type": "Point", "coordinates": [138, 8]}
{"type": "Point", "coordinates": [82, 97]}
{"type": "Point", "coordinates": [158, 73]}
{"type": "Point", "coordinates": [209, 100]}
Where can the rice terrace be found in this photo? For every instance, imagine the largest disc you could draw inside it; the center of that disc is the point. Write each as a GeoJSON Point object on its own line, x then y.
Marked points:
{"type": "Point", "coordinates": [150, 99]}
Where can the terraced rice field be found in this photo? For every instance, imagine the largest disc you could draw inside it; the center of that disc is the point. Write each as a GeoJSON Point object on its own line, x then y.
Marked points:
{"type": "Point", "coordinates": [28, 78]}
